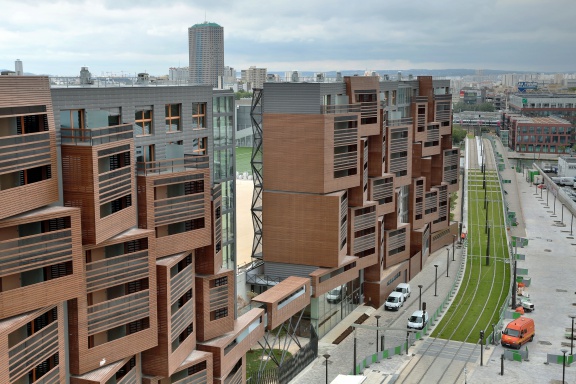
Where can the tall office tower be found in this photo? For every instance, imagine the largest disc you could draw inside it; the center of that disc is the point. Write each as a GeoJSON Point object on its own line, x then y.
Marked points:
{"type": "Point", "coordinates": [18, 68]}
{"type": "Point", "coordinates": [364, 196]}
{"type": "Point", "coordinates": [122, 279]}
{"type": "Point", "coordinates": [206, 52]}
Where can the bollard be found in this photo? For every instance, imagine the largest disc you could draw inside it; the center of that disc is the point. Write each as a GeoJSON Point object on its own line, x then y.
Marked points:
{"type": "Point", "coordinates": [502, 365]}
{"type": "Point", "coordinates": [481, 348]}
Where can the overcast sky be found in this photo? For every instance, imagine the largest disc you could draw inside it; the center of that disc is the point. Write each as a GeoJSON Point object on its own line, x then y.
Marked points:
{"type": "Point", "coordinates": [130, 36]}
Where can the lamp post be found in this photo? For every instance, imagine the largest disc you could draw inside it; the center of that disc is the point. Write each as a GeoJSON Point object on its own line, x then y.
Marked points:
{"type": "Point", "coordinates": [377, 325]}
{"type": "Point", "coordinates": [572, 334]}
{"type": "Point", "coordinates": [420, 297]}
{"type": "Point", "coordinates": [326, 356]}
{"type": "Point", "coordinates": [436, 280]}
{"type": "Point", "coordinates": [562, 213]}
{"type": "Point", "coordinates": [447, 260]}
{"type": "Point", "coordinates": [453, 244]}
{"type": "Point", "coordinates": [564, 365]}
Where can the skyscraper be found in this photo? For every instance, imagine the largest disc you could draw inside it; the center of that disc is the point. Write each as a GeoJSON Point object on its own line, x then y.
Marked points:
{"type": "Point", "coordinates": [206, 50]}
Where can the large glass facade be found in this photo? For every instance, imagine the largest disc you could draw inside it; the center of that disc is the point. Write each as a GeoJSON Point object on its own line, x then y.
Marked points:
{"type": "Point", "coordinates": [224, 169]}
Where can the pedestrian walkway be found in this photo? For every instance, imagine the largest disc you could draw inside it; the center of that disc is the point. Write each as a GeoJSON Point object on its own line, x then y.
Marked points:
{"type": "Point", "coordinates": [341, 356]}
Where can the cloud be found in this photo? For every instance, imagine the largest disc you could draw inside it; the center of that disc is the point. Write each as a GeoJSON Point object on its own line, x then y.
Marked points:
{"type": "Point", "coordinates": [59, 36]}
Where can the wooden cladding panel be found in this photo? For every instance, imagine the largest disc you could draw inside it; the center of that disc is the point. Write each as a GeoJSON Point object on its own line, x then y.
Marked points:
{"type": "Point", "coordinates": [381, 189]}
{"type": "Point", "coordinates": [31, 355]}
{"type": "Point", "coordinates": [228, 349]}
{"type": "Point", "coordinates": [104, 374]}
{"type": "Point", "coordinates": [349, 273]}
{"type": "Point", "coordinates": [195, 357]}
{"type": "Point", "coordinates": [31, 196]}
{"type": "Point", "coordinates": [307, 141]}
{"type": "Point", "coordinates": [402, 239]}
{"type": "Point", "coordinates": [207, 328]}
{"type": "Point", "coordinates": [364, 84]}
{"type": "Point", "coordinates": [161, 360]}
{"type": "Point", "coordinates": [84, 359]}
{"type": "Point", "coordinates": [181, 242]}
{"type": "Point", "coordinates": [81, 187]}
{"type": "Point", "coordinates": [32, 297]}
{"type": "Point", "coordinates": [302, 229]}
{"type": "Point", "coordinates": [279, 303]}
{"type": "Point", "coordinates": [377, 154]}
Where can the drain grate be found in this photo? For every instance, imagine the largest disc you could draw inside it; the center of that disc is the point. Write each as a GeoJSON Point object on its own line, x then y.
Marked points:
{"type": "Point", "coordinates": [549, 240]}
{"type": "Point", "coordinates": [544, 342]}
{"type": "Point", "coordinates": [561, 290]}
{"type": "Point", "coordinates": [547, 250]}
{"type": "Point", "coordinates": [570, 237]}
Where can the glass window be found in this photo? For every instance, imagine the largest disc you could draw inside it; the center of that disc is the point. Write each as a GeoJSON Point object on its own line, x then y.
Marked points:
{"type": "Point", "coordinates": [145, 153]}
{"type": "Point", "coordinates": [105, 117]}
{"type": "Point", "coordinates": [199, 146]}
{"type": "Point", "coordinates": [72, 118]}
{"type": "Point", "coordinates": [143, 121]}
{"type": "Point", "coordinates": [198, 115]}
{"type": "Point", "coordinates": [173, 117]}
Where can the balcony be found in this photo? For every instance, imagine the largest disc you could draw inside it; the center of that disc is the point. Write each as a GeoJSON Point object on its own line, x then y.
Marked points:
{"type": "Point", "coordinates": [32, 351]}
{"type": "Point", "coordinates": [96, 136]}
{"type": "Point", "coordinates": [117, 270]}
{"type": "Point", "coordinates": [116, 312]}
{"type": "Point", "coordinates": [181, 283]}
{"type": "Point", "coordinates": [399, 122]}
{"type": "Point", "coordinates": [181, 319]}
{"type": "Point", "coordinates": [25, 151]}
{"type": "Point", "coordinates": [187, 163]}
{"type": "Point", "coordinates": [340, 109]}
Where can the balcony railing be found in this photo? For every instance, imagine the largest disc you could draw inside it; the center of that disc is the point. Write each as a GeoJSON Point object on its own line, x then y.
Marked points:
{"type": "Point", "coordinates": [116, 270]}
{"type": "Point", "coordinates": [340, 109]}
{"type": "Point", "coordinates": [32, 351]}
{"type": "Point", "coordinates": [52, 377]}
{"type": "Point", "coordinates": [129, 378]}
{"type": "Point", "coordinates": [181, 283]}
{"type": "Point", "coordinates": [181, 319]}
{"type": "Point", "coordinates": [197, 378]}
{"type": "Point", "coordinates": [188, 162]}
{"type": "Point", "coordinates": [96, 136]}
{"type": "Point", "coordinates": [116, 312]}
{"type": "Point", "coordinates": [398, 122]}
{"type": "Point", "coordinates": [24, 151]}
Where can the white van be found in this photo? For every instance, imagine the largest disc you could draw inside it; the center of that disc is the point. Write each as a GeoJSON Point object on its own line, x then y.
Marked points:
{"type": "Point", "coordinates": [404, 288]}
{"type": "Point", "coordinates": [394, 301]}
{"type": "Point", "coordinates": [418, 320]}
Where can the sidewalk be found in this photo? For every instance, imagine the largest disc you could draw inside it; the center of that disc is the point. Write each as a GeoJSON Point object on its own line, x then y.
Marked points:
{"type": "Point", "coordinates": [341, 356]}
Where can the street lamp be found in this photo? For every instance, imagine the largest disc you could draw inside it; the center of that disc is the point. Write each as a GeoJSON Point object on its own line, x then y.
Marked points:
{"type": "Point", "coordinates": [377, 325]}
{"type": "Point", "coordinates": [453, 244]}
{"type": "Point", "coordinates": [326, 356]}
{"type": "Point", "coordinates": [564, 365]}
{"type": "Point", "coordinates": [436, 280]}
{"type": "Point", "coordinates": [420, 297]}
{"type": "Point", "coordinates": [447, 261]}
{"type": "Point", "coordinates": [572, 334]}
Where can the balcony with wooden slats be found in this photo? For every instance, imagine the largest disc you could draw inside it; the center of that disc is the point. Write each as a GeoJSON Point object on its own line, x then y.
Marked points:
{"type": "Point", "coordinates": [40, 259]}
{"type": "Point", "coordinates": [175, 201]}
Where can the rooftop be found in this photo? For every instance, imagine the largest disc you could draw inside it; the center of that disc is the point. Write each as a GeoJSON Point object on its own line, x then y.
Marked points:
{"type": "Point", "coordinates": [206, 24]}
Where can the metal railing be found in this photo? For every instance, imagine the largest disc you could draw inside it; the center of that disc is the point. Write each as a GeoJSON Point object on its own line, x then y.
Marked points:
{"type": "Point", "coordinates": [96, 136]}
{"type": "Point", "coordinates": [188, 162]}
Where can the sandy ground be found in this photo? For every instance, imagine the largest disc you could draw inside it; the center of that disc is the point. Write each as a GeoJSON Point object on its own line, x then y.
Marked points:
{"type": "Point", "coordinates": [244, 230]}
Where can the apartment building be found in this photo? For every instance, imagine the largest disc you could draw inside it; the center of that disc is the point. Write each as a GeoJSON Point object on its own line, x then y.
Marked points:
{"type": "Point", "coordinates": [355, 187]}
{"type": "Point", "coordinates": [547, 135]}
{"type": "Point", "coordinates": [116, 257]}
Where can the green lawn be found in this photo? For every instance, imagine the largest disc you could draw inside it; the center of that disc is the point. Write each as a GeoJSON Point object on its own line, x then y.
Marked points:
{"type": "Point", "coordinates": [253, 361]}
{"type": "Point", "coordinates": [243, 156]}
{"type": "Point", "coordinates": [481, 284]}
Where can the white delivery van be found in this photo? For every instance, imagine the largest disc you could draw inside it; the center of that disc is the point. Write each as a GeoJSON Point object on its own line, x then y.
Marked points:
{"type": "Point", "coordinates": [394, 301]}
{"type": "Point", "coordinates": [418, 320]}
{"type": "Point", "coordinates": [404, 288]}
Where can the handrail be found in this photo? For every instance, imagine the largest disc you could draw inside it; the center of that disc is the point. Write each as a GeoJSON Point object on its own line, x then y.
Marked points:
{"type": "Point", "coordinates": [96, 136]}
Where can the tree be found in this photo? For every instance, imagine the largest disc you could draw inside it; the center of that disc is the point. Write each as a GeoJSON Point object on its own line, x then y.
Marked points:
{"type": "Point", "coordinates": [242, 95]}
{"type": "Point", "coordinates": [458, 134]}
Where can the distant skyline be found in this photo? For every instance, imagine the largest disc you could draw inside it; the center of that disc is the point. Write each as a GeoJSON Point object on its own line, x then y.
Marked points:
{"type": "Point", "coordinates": [128, 36]}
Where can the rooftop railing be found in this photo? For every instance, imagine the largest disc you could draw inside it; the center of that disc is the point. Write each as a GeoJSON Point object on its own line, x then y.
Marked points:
{"type": "Point", "coordinates": [96, 136]}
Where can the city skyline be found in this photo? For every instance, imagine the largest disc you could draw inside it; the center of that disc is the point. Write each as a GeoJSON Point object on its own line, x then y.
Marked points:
{"type": "Point", "coordinates": [127, 37]}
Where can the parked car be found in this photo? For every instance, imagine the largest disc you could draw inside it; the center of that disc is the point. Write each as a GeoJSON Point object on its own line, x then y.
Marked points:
{"type": "Point", "coordinates": [404, 288]}
{"type": "Point", "coordinates": [394, 301]}
{"type": "Point", "coordinates": [418, 320]}
{"type": "Point", "coordinates": [336, 295]}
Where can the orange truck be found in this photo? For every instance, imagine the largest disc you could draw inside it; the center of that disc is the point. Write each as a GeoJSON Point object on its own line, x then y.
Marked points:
{"type": "Point", "coordinates": [518, 332]}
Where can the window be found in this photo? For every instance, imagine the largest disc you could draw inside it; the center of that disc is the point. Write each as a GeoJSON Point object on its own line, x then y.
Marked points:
{"type": "Point", "coordinates": [145, 153]}
{"type": "Point", "coordinates": [72, 118]}
{"type": "Point", "coordinates": [198, 115]}
{"type": "Point", "coordinates": [219, 314]}
{"type": "Point", "coordinates": [103, 117]}
{"type": "Point", "coordinates": [221, 281]}
{"type": "Point", "coordinates": [199, 146]}
{"type": "Point", "coordinates": [143, 121]}
{"type": "Point", "coordinates": [173, 117]}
